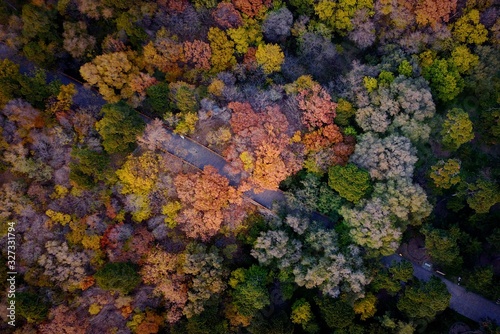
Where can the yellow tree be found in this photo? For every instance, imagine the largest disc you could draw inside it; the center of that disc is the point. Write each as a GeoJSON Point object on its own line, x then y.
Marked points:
{"type": "Point", "coordinates": [112, 73]}
{"type": "Point", "coordinates": [222, 50]}
{"type": "Point", "coordinates": [270, 57]}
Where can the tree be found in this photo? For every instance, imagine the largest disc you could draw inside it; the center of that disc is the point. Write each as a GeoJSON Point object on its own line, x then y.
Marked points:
{"type": "Point", "coordinates": [483, 195]}
{"type": "Point", "coordinates": [222, 50]}
{"type": "Point", "coordinates": [457, 129]}
{"type": "Point", "coordinates": [314, 262]}
{"type": "Point", "coordinates": [251, 8]}
{"type": "Point", "coordinates": [467, 29]}
{"type": "Point", "coordinates": [249, 292]}
{"type": "Point", "coordinates": [89, 167]}
{"type": "Point", "coordinates": [378, 223]}
{"type": "Point", "coordinates": [77, 41]}
{"type": "Point", "coordinates": [270, 57]}
{"type": "Point", "coordinates": [119, 127]}
{"type": "Point", "coordinates": [112, 73]}
{"type": "Point", "coordinates": [338, 15]}
{"type": "Point", "coordinates": [446, 173]}
{"type": "Point", "coordinates": [396, 105]}
{"type": "Point", "coordinates": [351, 182]}
{"type": "Point", "coordinates": [154, 136]}
{"type": "Point", "coordinates": [301, 313]}
{"type": "Point", "coordinates": [139, 175]}
{"type": "Point", "coordinates": [226, 16]}
{"type": "Point", "coordinates": [263, 136]}
{"type": "Point", "coordinates": [158, 98]}
{"type": "Point", "coordinates": [9, 81]}
{"type": "Point", "coordinates": [207, 200]}
{"type": "Point", "coordinates": [442, 246]}
{"type": "Point", "coordinates": [385, 158]}
{"type": "Point", "coordinates": [444, 78]}
{"type": "Point", "coordinates": [277, 24]}
{"type": "Point", "coordinates": [424, 299]}
{"type": "Point", "coordinates": [401, 271]}
{"type": "Point", "coordinates": [336, 313]}
{"type": "Point", "coordinates": [198, 54]}
{"type": "Point", "coordinates": [118, 276]}
{"type": "Point", "coordinates": [433, 12]}
{"type": "Point", "coordinates": [317, 107]}
{"type": "Point", "coordinates": [31, 307]}
{"type": "Point", "coordinates": [481, 281]}
{"type": "Point", "coordinates": [464, 60]}
{"type": "Point", "coordinates": [366, 307]}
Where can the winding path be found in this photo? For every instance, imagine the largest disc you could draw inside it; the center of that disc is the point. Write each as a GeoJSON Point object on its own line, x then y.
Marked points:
{"type": "Point", "coordinates": [465, 303]}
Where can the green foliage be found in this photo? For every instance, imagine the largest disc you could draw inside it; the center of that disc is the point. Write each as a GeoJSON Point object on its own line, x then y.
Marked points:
{"type": "Point", "coordinates": [89, 167]}
{"type": "Point", "coordinates": [463, 59]}
{"type": "Point", "coordinates": [36, 89]}
{"type": "Point", "coordinates": [444, 78]}
{"type": "Point", "coordinates": [483, 195]}
{"type": "Point", "coordinates": [446, 173]}
{"type": "Point", "coordinates": [40, 34]}
{"type": "Point", "coordinates": [442, 246]}
{"type": "Point", "coordinates": [344, 111]}
{"type": "Point", "coordinates": [157, 98]}
{"type": "Point", "coordinates": [384, 281]}
{"type": "Point", "coordinates": [370, 83]}
{"type": "Point", "coordinates": [481, 281]}
{"type": "Point", "coordinates": [250, 293]}
{"type": "Point", "coordinates": [405, 68]}
{"type": "Point", "coordinates": [119, 127]}
{"type": "Point", "coordinates": [402, 271]}
{"type": "Point", "coordinates": [335, 313]}
{"type": "Point", "coordinates": [351, 182]}
{"type": "Point", "coordinates": [9, 81]}
{"type": "Point", "coordinates": [118, 276]}
{"type": "Point", "coordinates": [385, 78]}
{"type": "Point", "coordinates": [338, 14]}
{"type": "Point", "coordinates": [301, 312]}
{"type": "Point", "coordinates": [31, 307]}
{"type": "Point", "coordinates": [457, 129]}
{"type": "Point", "coordinates": [424, 299]}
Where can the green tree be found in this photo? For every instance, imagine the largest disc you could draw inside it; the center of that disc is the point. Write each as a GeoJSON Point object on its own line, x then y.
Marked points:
{"type": "Point", "coordinates": [457, 129]}
{"type": "Point", "coordinates": [39, 34]}
{"type": "Point", "coordinates": [481, 281]}
{"type": "Point", "coordinates": [119, 127]}
{"type": "Point", "coordinates": [483, 195]}
{"type": "Point", "coordinates": [424, 299]}
{"type": "Point", "coordinates": [158, 98]}
{"type": "Point", "coordinates": [9, 81]}
{"type": "Point", "coordinates": [443, 248]}
{"type": "Point", "coordinates": [250, 293]}
{"type": "Point", "coordinates": [351, 182]}
{"type": "Point", "coordinates": [31, 307]}
{"type": "Point", "coordinates": [402, 271]}
{"type": "Point", "coordinates": [301, 312]}
{"type": "Point", "coordinates": [336, 313]}
{"type": "Point", "coordinates": [118, 276]}
{"type": "Point", "coordinates": [444, 78]}
{"type": "Point", "coordinates": [446, 173]}
{"type": "Point", "coordinates": [89, 167]}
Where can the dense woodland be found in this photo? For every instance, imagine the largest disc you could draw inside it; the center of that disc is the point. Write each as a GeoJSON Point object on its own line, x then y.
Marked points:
{"type": "Point", "coordinates": [379, 116]}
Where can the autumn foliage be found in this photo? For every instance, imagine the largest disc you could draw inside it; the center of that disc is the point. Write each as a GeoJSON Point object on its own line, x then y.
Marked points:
{"type": "Point", "coordinates": [207, 200]}
{"type": "Point", "coordinates": [261, 146]}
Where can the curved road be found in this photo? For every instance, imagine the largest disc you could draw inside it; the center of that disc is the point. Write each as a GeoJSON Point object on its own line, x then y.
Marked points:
{"type": "Point", "coordinates": [465, 303]}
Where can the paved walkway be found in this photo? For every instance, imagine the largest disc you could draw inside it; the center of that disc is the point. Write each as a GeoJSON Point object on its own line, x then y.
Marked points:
{"type": "Point", "coordinates": [466, 303]}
